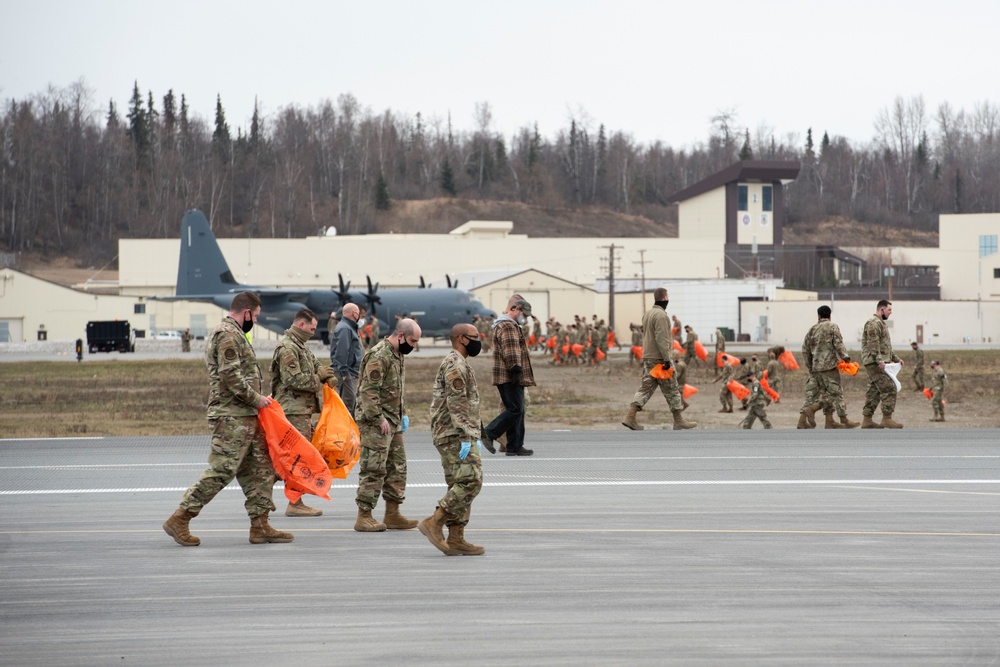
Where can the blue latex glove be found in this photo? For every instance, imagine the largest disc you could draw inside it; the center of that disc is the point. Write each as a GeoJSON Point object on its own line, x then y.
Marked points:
{"type": "Point", "coordinates": [406, 422]}
{"type": "Point", "coordinates": [462, 453]}
{"type": "Point", "coordinates": [479, 443]}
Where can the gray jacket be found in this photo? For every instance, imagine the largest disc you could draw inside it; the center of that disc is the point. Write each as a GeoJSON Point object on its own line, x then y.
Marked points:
{"type": "Point", "coordinates": [345, 348]}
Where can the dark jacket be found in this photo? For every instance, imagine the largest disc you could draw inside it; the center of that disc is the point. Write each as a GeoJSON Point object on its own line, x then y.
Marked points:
{"type": "Point", "coordinates": [345, 348]}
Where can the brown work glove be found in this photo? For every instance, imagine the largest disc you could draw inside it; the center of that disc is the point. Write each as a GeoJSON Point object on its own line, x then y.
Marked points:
{"type": "Point", "coordinates": [325, 373]}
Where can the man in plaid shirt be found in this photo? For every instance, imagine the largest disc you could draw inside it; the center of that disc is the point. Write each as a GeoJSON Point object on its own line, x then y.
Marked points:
{"type": "Point", "coordinates": [511, 374]}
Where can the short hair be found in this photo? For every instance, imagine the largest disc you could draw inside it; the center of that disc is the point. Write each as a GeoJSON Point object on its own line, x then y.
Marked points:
{"type": "Point", "coordinates": [824, 312]}
{"type": "Point", "coordinates": [243, 301]}
{"type": "Point", "coordinates": [883, 303]}
{"type": "Point", "coordinates": [305, 315]}
{"type": "Point", "coordinates": [659, 294]}
{"type": "Point", "coordinates": [461, 329]}
{"type": "Point", "coordinates": [406, 326]}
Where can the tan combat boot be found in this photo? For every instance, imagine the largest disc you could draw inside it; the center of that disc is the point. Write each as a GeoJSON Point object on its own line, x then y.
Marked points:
{"type": "Point", "coordinates": [177, 527]}
{"type": "Point", "coordinates": [889, 422]}
{"type": "Point", "coordinates": [457, 546]}
{"type": "Point", "coordinates": [803, 421]}
{"type": "Point", "coordinates": [848, 423]}
{"type": "Point", "coordinates": [629, 421]}
{"type": "Point", "coordinates": [942, 414]}
{"type": "Point", "coordinates": [262, 533]}
{"type": "Point", "coordinates": [366, 523]}
{"type": "Point", "coordinates": [811, 414]}
{"type": "Point", "coordinates": [431, 528]}
{"type": "Point", "coordinates": [866, 422]}
{"type": "Point", "coordinates": [830, 423]}
{"type": "Point", "coordinates": [394, 520]}
{"type": "Point", "coordinates": [299, 508]}
{"type": "Point", "coordinates": [680, 423]}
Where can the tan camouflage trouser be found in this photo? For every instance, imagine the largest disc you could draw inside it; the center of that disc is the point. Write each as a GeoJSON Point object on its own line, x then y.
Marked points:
{"type": "Point", "coordinates": [831, 394]}
{"type": "Point", "coordinates": [812, 393]}
{"type": "Point", "coordinates": [239, 450]}
{"type": "Point", "coordinates": [383, 467]}
{"type": "Point", "coordinates": [936, 402]}
{"type": "Point", "coordinates": [880, 388]}
{"type": "Point", "coordinates": [756, 412]}
{"type": "Point", "coordinates": [726, 398]}
{"type": "Point", "coordinates": [649, 385]}
{"type": "Point", "coordinates": [918, 377]}
{"type": "Point", "coordinates": [302, 424]}
{"type": "Point", "coordinates": [464, 479]}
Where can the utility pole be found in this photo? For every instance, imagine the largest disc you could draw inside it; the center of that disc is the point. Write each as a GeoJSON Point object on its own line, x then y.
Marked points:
{"type": "Point", "coordinates": [611, 284]}
{"type": "Point", "coordinates": [642, 276]}
{"type": "Point", "coordinates": [890, 273]}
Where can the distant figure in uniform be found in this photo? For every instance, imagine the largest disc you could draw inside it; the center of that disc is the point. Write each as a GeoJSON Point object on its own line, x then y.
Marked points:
{"type": "Point", "coordinates": [636, 341]}
{"type": "Point", "coordinates": [823, 349]}
{"type": "Point", "coordinates": [331, 324]}
{"type": "Point", "coordinates": [918, 367]}
{"type": "Point", "coordinates": [720, 346]}
{"type": "Point", "coordinates": [939, 382]}
{"type": "Point", "coordinates": [186, 341]}
{"type": "Point", "coordinates": [729, 372]}
{"type": "Point", "coordinates": [690, 356]}
{"type": "Point", "coordinates": [876, 352]}
{"type": "Point", "coordinates": [680, 374]}
{"type": "Point", "coordinates": [375, 332]}
{"type": "Point", "coordinates": [677, 330]}
{"type": "Point", "coordinates": [758, 399]}
{"type": "Point", "coordinates": [774, 371]}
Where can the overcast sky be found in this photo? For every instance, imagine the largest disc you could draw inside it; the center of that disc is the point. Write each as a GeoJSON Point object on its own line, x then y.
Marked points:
{"type": "Point", "coordinates": [658, 69]}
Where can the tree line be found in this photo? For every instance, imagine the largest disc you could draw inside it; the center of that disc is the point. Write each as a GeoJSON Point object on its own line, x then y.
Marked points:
{"type": "Point", "coordinates": [76, 176]}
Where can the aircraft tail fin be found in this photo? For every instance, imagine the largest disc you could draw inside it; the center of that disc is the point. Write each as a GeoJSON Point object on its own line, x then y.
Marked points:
{"type": "Point", "coordinates": [202, 268]}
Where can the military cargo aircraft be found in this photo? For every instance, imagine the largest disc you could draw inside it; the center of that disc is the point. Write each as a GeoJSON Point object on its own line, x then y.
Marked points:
{"type": "Point", "coordinates": [203, 275]}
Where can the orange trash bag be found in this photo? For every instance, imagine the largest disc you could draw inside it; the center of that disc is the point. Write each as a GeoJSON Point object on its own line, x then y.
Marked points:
{"type": "Point", "coordinates": [336, 436]}
{"type": "Point", "coordinates": [766, 386]}
{"type": "Point", "coordinates": [700, 351]}
{"type": "Point", "coordinates": [727, 359]}
{"type": "Point", "coordinates": [787, 360]}
{"type": "Point", "coordinates": [565, 349]}
{"type": "Point", "coordinates": [577, 349]}
{"type": "Point", "coordinates": [532, 340]}
{"type": "Point", "coordinates": [661, 373]}
{"type": "Point", "coordinates": [637, 351]}
{"type": "Point", "coordinates": [928, 393]}
{"type": "Point", "coordinates": [738, 390]}
{"type": "Point", "coordinates": [678, 346]}
{"type": "Point", "coordinates": [689, 391]}
{"type": "Point", "coordinates": [848, 368]}
{"type": "Point", "coordinates": [611, 339]}
{"type": "Point", "coordinates": [294, 458]}
{"type": "Point", "coordinates": [550, 343]}
{"type": "Point", "coordinates": [600, 356]}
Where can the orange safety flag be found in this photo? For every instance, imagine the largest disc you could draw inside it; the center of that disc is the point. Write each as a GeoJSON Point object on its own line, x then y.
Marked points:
{"type": "Point", "coordinates": [700, 351]}
{"type": "Point", "coordinates": [600, 356]}
{"type": "Point", "coordinates": [848, 367]}
{"type": "Point", "coordinates": [661, 373]}
{"type": "Point", "coordinates": [336, 436]}
{"type": "Point", "coordinates": [689, 391]}
{"type": "Point", "coordinates": [577, 349]}
{"type": "Point", "coordinates": [722, 359]}
{"type": "Point", "coordinates": [294, 458]}
{"type": "Point", "coordinates": [551, 343]}
{"type": "Point", "coordinates": [928, 393]}
{"type": "Point", "coordinates": [767, 388]}
{"type": "Point", "coordinates": [637, 351]}
{"type": "Point", "coordinates": [787, 360]}
{"type": "Point", "coordinates": [738, 390]}
{"type": "Point", "coordinates": [678, 346]}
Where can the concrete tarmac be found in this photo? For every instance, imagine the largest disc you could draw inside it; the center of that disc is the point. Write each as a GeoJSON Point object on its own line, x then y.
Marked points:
{"type": "Point", "coordinates": [618, 548]}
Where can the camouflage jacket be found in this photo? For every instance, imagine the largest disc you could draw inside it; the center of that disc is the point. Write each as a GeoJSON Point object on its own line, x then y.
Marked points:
{"type": "Point", "coordinates": [774, 370]}
{"type": "Point", "coordinates": [509, 350]}
{"type": "Point", "coordinates": [823, 347]}
{"type": "Point", "coordinates": [380, 389]}
{"type": "Point", "coordinates": [758, 397]}
{"type": "Point", "coordinates": [918, 359]}
{"type": "Point", "coordinates": [234, 377]}
{"type": "Point", "coordinates": [939, 381]}
{"type": "Point", "coordinates": [602, 337]}
{"type": "Point", "coordinates": [756, 366]}
{"type": "Point", "coordinates": [294, 383]}
{"type": "Point", "coordinates": [657, 341]}
{"type": "Point", "coordinates": [680, 373]}
{"type": "Point", "coordinates": [720, 341]}
{"type": "Point", "coordinates": [455, 400]}
{"type": "Point", "coordinates": [689, 341]}
{"type": "Point", "coordinates": [875, 343]}
{"type": "Point", "coordinates": [729, 373]}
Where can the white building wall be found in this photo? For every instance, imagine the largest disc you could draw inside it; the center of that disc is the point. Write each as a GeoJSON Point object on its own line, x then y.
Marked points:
{"type": "Point", "coordinates": [703, 217]}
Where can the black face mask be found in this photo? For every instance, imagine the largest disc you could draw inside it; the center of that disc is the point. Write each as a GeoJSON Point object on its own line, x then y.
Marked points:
{"type": "Point", "coordinates": [404, 347]}
{"type": "Point", "coordinates": [884, 316]}
{"type": "Point", "coordinates": [663, 304]}
{"type": "Point", "coordinates": [473, 347]}
{"type": "Point", "coordinates": [247, 324]}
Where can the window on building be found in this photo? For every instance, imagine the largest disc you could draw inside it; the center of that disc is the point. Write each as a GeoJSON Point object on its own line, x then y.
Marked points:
{"type": "Point", "coordinates": [139, 308]}
{"type": "Point", "coordinates": [996, 273]}
{"type": "Point", "coordinates": [987, 244]}
{"type": "Point", "coordinates": [742, 198]}
{"type": "Point", "coordinates": [768, 202]}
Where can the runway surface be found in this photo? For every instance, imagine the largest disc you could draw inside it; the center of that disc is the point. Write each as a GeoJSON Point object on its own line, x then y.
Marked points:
{"type": "Point", "coordinates": [691, 548]}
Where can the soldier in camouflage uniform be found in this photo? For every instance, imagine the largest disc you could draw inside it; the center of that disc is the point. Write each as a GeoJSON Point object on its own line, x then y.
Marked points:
{"type": "Point", "coordinates": [376, 332]}
{"type": "Point", "coordinates": [690, 357]}
{"type": "Point", "coordinates": [720, 346]}
{"type": "Point", "coordinates": [754, 366]}
{"type": "Point", "coordinates": [876, 352]}
{"type": "Point", "coordinates": [757, 401]}
{"type": "Point", "coordinates": [680, 374]}
{"type": "Point", "coordinates": [774, 371]}
{"type": "Point", "coordinates": [382, 420]}
{"type": "Point", "coordinates": [807, 419]}
{"type": "Point", "coordinates": [457, 432]}
{"type": "Point", "coordinates": [823, 348]}
{"type": "Point", "coordinates": [939, 382]}
{"type": "Point", "coordinates": [728, 374]}
{"type": "Point", "coordinates": [186, 341]}
{"type": "Point", "coordinates": [296, 379]}
{"type": "Point", "coordinates": [239, 448]}
{"type": "Point", "coordinates": [657, 344]}
{"type": "Point", "coordinates": [918, 367]}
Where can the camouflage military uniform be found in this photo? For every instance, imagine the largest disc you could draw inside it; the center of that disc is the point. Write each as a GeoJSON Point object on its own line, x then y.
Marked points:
{"type": "Point", "coordinates": [294, 383]}
{"type": "Point", "coordinates": [939, 382]}
{"type": "Point", "coordinates": [774, 371]}
{"type": "Point", "coordinates": [689, 352]}
{"type": "Point", "coordinates": [656, 346]}
{"type": "Point", "coordinates": [454, 420]}
{"type": "Point", "coordinates": [720, 346]}
{"type": "Point", "coordinates": [238, 448]}
{"type": "Point", "coordinates": [186, 341]}
{"type": "Point", "coordinates": [755, 407]}
{"type": "Point", "coordinates": [383, 457]}
{"type": "Point", "coordinates": [373, 337]}
{"type": "Point", "coordinates": [876, 347]}
{"type": "Point", "coordinates": [726, 396]}
{"type": "Point", "coordinates": [918, 368]}
{"type": "Point", "coordinates": [823, 348]}
{"type": "Point", "coordinates": [812, 395]}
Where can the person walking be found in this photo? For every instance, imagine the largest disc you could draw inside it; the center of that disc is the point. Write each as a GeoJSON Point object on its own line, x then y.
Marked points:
{"type": "Point", "coordinates": [382, 421]}
{"type": "Point", "coordinates": [729, 373]}
{"type": "Point", "coordinates": [345, 355]}
{"type": "Point", "coordinates": [296, 384]}
{"type": "Point", "coordinates": [511, 374]}
{"type": "Point", "coordinates": [823, 348]}
{"type": "Point", "coordinates": [876, 352]}
{"type": "Point", "coordinates": [186, 340]}
{"type": "Point", "coordinates": [690, 356]}
{"type": "Point", "coordinates": [720, 347]}
{"type": "Point", "coordinates": [457, 432]}
{"type": "Point", "coordinates": [939, 382]}
{"type": "Point", "coordinates": [657, 343]}
{"type": "Point", "coordinates": [239, 448]}
{"type": "Point", "coordinates": [757, 402]}
{"type": "Point", "coordinates": [918, 367]}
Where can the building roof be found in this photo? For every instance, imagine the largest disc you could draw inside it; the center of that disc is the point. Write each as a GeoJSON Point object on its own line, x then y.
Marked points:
{"type": "Point", "coordinates": [765, 171]}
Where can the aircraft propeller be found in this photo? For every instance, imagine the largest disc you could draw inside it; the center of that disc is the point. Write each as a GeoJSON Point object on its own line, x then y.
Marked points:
{"type": "Point", "coordinates": [343, 293]}
{"type": "Point", "coordinates": [372, 296]}
{"type": "Point", "coordinates": [451, 285]}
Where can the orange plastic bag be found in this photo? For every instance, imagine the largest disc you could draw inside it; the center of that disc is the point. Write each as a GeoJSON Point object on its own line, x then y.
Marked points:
{"type": "Point", "coordinates": [637, 351]}
{"type": "Point", "coordinates": [848, 368]}
{"type": "Point", "coordinates": [661, 373]}
{"type": "Point", "coordinates": [551, 343]}
{"type": "Point", "coordinates": [336, 436]}
{"type": "Point", "coordinates": [565, 349]}
{"type": "Point", "coordinates": [928, 393]}
{"type": "Point", "coordinates": [577, 349]}
{"type": "Point", "coordinates": [766, 386]}
{"type": "Point", "coordinates": [722, 359]}
{"type": "Point", "coordinates": [611, 339]}
{"type": "Point", "coordinates": [787, 360]}
{"type": "Point", "coordinates": [531, 340]}
{"type": "Point", "coordinates": [738, 390]}
{"type": "Point", "coordinates": [700, 351]}
{"type": "Point", "coordinates": [600, 356]}
{"type": "Point", "coordinates": [675, 331]}
{"type": "Point", "coordinates": [678, 346]}
{"type": "Point", "coordinates": [689, 391]}
{"type": "Point", "coordinates": [294, 458]}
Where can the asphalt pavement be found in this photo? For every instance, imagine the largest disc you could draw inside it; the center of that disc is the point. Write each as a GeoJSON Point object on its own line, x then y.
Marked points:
{"type": "Point", "coordinates": [618, 548]}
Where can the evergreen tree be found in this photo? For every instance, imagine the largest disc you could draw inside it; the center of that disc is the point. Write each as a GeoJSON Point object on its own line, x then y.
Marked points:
{"type": "Point", "coordinates": [221, 139]}
{"type": "Point", "coordinates": [183, 122]}
{"type": "Point", "coordinates": [169, 112]}
{"type": "Point", "coordinates": [958, 191]}
{"type": "Point", "coordinates": [137, 121]}
{"type": "Point", "coordinates": [113, 120]}
{"type": "Point", "coordinates": [824, 143]}
{"type": "Point", "coordinates": [501, 157]}
{"type": "Point", "coordinates": [382, 200]}
{"type": "Point", "coordinates": [810, 155]}
{"type": "Point", "coordinates": [151, 120]}
{"type": "Point", "coordinates": [534, 148]}
{"type": "Point", "coordinates": [448, 179]}
{"type": "Point", "coordinates": [746, 153]}
{"type": "Point", "coordinates": [256, 127]}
